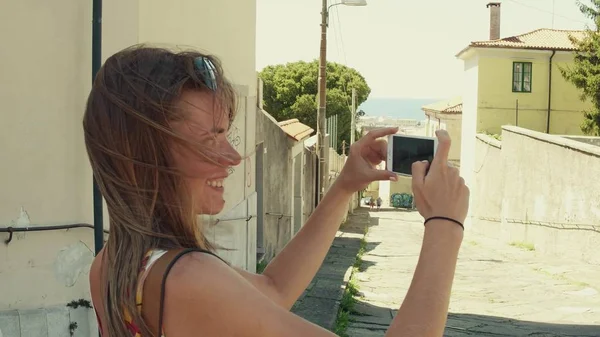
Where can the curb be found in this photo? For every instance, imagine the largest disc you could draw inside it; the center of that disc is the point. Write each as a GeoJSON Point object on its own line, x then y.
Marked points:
{"type": "Point", "coordinates": [320, 302]}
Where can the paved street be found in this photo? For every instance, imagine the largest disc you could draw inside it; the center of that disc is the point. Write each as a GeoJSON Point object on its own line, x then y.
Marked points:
{"type": "Point", "coordinates": [321, 300]}
{"type": "Point", "coordinates": [499, 290]}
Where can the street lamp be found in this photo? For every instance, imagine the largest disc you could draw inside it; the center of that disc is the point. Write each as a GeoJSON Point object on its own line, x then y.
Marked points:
{"type": "Point", "coordinates": [352, 3]}
{"type": "Point", "coordinates": [322, 89]}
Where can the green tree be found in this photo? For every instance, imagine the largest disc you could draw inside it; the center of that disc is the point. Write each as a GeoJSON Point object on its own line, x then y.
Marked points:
{"type": "Point", "coordinates": [585, 73]}
{"type": "Point", "coordinates": [290, 91]}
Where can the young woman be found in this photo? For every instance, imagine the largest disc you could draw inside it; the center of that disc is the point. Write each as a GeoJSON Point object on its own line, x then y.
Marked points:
{"type": "Point", "coordinates": [155, 130]}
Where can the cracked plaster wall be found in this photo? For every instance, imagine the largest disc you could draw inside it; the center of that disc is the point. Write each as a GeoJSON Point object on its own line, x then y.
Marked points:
{"type": "Point", "coordinates": [45, 178]}
{"type": "Point", "coordinates": [41, 269]}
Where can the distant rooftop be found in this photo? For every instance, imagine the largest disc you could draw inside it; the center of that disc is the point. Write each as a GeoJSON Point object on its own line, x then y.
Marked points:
{"type": "Point", "coordinates": [452, 107]}
{"type": "Point", "coordinates": [539, 39]}
{"type": "Point", "coordinates": [295, 129]}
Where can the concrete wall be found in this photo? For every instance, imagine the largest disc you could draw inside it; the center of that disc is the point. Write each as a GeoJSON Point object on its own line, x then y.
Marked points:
{"type": "Point", "coordinates": [372, 190]}
{"type": "Point", "coordinates": [584, 139]}
{"type": "Point", "coordinates": [388, 188]}
{"type": "Point", "coordinates": [45, 175]}
{"type": "Point", "coordinates": [280, 187]}
{"type": "Point", "coordinates": [277, 185]}
{"type": "Point", "coordinates": [193, 23]}
{"type": "Point", "coordinates": [336, 162]}
{"type": "Point", "coordinates": [288, 185]}
{"type": "Point", "coordinates": [469, 123]}
{"type": "Point", "coordinates": [533, 189]}
{"type": "Point", "coordinates": [310, 177]}
{"type": "Point", "coordinates": [488, 186]}
{"type": "Point", "coordinates": [403, 185]}
{"type": "Point", "coordinates": [454, 128]}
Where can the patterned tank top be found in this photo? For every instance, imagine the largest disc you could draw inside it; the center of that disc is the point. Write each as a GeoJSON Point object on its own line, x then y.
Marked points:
{"type": "Point", "coordinates": [149, 259]}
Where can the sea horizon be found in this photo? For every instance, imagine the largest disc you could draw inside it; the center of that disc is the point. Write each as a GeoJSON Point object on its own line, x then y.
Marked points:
{"type": "Point", "coordinates": [394, 107]}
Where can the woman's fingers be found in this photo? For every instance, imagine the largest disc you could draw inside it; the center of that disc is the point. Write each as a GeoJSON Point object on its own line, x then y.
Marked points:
{"type": "Point", "coordinates": [377, 151]}
{"type": "Point", "coordinates": [419, 170]}
{"type": "Point", "coordinates": [378, 133]}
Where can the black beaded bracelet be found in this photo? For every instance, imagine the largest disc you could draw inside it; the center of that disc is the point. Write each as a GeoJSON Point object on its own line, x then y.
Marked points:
{"type": "Point", "coordinates": [444, 218]}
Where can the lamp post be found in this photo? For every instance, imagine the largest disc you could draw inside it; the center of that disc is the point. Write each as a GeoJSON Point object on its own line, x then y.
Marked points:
{"type": "Point", "coordinates": [322, 89]}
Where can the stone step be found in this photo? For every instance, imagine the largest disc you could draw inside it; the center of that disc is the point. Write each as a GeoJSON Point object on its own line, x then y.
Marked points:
{"type": "Point", "coordinates": [57, 321]}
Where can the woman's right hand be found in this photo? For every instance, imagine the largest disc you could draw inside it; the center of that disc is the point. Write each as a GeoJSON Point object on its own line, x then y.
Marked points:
{"type": "Point", "coordinates": [441, 191]}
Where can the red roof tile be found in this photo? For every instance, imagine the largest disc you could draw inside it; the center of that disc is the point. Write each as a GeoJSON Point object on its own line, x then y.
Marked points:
{"type": "Point", "coordinates": [540, 39]}
{"type": "Point", "coordinates": [452, 106]}
{"type": "Point", "coordinates": [295, 129]}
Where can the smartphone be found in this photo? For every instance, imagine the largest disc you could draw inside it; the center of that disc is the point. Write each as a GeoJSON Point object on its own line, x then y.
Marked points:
{"type": "Point", "coordinates": [404, 150]}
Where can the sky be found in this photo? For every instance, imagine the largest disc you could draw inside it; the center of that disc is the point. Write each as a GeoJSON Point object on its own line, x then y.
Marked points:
{"type": "Point", "coordinates": [404, 49]}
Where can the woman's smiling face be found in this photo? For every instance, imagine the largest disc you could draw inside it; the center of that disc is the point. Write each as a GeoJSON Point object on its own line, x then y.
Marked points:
{"type": "Point", "coordinates": [204, 170]}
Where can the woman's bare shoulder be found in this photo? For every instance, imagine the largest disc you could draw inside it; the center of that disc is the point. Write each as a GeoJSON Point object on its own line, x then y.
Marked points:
{"type": "Point", "coordinates": [205, 296]}
{"type": "Point", "coordinates": [95, 275]}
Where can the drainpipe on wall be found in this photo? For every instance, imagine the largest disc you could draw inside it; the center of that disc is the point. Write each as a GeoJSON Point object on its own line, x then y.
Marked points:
{"type": "Point", "coordinates": [96, 62]}
{"type": "Point", "coordinates": [549, 92]}
{"type": "Point", "coordinates": [517, 113]}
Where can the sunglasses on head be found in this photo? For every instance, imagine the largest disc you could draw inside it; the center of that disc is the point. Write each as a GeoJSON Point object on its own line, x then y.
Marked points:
{"type": "Point", "coordinates": [207, 71]}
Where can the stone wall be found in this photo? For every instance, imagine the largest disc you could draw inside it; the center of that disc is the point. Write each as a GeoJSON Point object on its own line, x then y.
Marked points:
{"type": "Point", "coordinates": [539, 189]}
{"type": "Point", "coordinates": [277, 185]}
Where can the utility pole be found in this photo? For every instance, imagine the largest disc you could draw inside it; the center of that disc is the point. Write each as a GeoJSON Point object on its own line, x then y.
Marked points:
{"type": "Point", "coordinates": [322, 88]}
{"type": "Point", "coordinates": [353, 139]}
{"type": "Point", "coordinates": [322, 148]}
{"type": "Point", "coordinates": [353, 123]}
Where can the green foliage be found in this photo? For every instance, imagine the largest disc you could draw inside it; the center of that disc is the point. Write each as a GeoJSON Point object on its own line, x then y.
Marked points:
{"type": "Point", "coordinates": [80, 303]}
{"type": "Point", "coordinates": [585, 73]}
{"type": "Point", "coordinates": [261, 266]}
{"type": "Point", "coordinates": [351, 292]}
{"type": "Point", "coordinates": [72, 327]}
{"type": "Point", "coordinates": [290, 91]}
{"type": "Point", "coordinates": [494, 135]}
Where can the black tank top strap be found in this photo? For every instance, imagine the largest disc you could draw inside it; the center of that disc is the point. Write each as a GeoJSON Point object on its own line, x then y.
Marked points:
{"type": "Point", "coordinates": [166, 273]}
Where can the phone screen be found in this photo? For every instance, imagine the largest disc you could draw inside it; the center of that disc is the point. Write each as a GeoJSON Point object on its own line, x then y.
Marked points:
{"type": "Point", "coordinates": [408, 150]}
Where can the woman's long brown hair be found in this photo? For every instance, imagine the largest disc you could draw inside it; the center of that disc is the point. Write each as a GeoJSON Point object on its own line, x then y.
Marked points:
{"type": "Point", "coordinates": [128, 134]}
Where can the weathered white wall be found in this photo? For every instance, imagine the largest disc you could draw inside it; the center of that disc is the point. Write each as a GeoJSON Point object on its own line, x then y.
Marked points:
{"type": "Point", "coordinates": [453, 125]}
{"type": "Point", "coordinates": [385, 191]}
{"type": "Point", "coordinates": [336, 162]}
{"type": "Point", "coordinates": [488, 187]}
{"type": "Point", "coordinates": [45, 175]}
{"type": "Point", "coordinates": [469, 124]}
{"type": "Point", "coordinates": [534, 190]}
{"type": "Point", "coordinates": [277, 185]}
{"type": "Point", "coordinates": [227, 29]}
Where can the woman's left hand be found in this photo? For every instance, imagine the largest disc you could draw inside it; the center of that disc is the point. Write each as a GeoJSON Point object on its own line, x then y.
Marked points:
{"type": "Point", "coordinates": [365, 154]}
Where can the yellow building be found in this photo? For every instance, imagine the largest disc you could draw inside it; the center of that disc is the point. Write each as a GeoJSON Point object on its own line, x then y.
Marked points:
{"type": "Point", "coordinates": [446, 115]}
{"type": "Point", "coordinates": [517, 81]}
